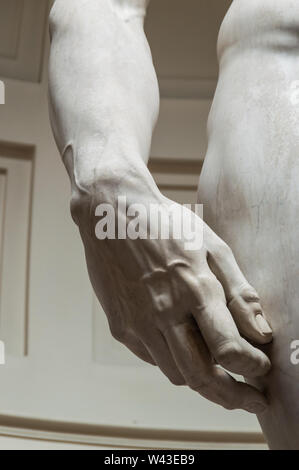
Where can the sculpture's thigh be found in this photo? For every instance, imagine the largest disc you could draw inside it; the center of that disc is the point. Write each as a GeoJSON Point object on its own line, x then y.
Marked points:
{"type": "Point", "coordinates": [250, 190]}
{"type": "Point", "coordinates": [265, 242]}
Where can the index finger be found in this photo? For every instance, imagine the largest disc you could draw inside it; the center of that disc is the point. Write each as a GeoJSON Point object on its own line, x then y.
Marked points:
{"type": "Point", "coordinates": [219, 329]}
{"type": "Point", "coordinates": [202, 375]}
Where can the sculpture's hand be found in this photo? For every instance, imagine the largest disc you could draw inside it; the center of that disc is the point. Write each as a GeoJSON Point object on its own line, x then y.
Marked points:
{"type": "Point", "coordinates": [181, 310]}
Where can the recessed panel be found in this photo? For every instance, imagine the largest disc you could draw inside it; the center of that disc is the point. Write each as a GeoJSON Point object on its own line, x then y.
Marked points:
{"type": "Point", "coordinates": [3, 185]}
{"type": "Point", "coordinates": [15, 216]}
{"type": "Point", "coordinates": [23, 27]}
{"type": "Point", "coordinates": [10, 27]}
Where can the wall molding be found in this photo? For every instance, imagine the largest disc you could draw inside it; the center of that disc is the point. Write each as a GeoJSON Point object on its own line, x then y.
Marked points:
{"type": "Point", "coordinates": [174, 166]}
{"type": "Point", "coordinates": [127, 437]}
{"type": "Point", "coordinates": [17, 150]}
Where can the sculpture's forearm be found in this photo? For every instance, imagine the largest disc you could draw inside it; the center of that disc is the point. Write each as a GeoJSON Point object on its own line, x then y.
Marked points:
{"type": "Point", "coordinates": [104, 97]}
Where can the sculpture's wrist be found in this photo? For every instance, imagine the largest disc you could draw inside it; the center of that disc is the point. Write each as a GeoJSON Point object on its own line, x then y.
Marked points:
{"type": "Point", "coordinates": [110, 185]}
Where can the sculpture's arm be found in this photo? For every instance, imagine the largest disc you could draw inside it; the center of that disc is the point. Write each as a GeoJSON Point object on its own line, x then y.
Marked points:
{"type": "Point", "coordinates": [174, 308]}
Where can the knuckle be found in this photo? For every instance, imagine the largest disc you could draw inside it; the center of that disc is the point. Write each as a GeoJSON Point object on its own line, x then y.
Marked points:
{"type": "Point", "coordinates": [202, 288]}
{"type": "Point", "coordinates": [221, 250]}
{"type": "Point", "coordinates": [177, 381]}
{"type": "Point", "coordinates": [209, 387]}
{"type": "Point", "coordinates": [209, 288]}
{"type": "Point", "coordinates": [200, 384]}
{"type": "Point", "coordinates": [249, 294]}
{"type": "Point", "coordinates": [228, 353]}
{"type": "Point", "coordinates": [229, 406]}
{"type": "Point", "coordinates": [117, 334]}
{"type": "Point", "coordinates": [244, 293]}
{"type": "Point", "coordinates": [162, 302]}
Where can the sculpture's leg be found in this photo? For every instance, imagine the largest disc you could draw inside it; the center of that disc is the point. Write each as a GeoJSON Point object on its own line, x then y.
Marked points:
{"type": "Point", "coordinates": [252, 167]}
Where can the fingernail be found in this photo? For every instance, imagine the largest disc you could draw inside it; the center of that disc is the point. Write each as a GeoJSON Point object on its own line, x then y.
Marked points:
{"type": "Point", "coordinates": [263, 325]}
{"type": "Point", "coordinates": [256, 408]}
